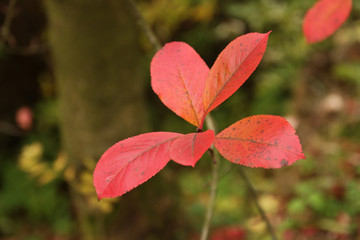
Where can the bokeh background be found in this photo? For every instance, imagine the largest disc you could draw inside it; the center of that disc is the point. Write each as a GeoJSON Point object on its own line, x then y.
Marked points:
{"type": "Point", "coordinates": [74, 79]}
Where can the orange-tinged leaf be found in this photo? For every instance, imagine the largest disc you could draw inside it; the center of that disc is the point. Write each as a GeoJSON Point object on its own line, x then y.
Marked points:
{"type": "Point", "coordinates": [324, 18]}
{"type": "Point", "coordinates": [188, 149]}
{"type": "Point", "coordinates": [260, 141]}
{"type": "Point", "coordinates": [178, 77]}
{"type": "Point", "coordinates": [132, 162]}
{"type": "Point", "coordinates": [233, 67]}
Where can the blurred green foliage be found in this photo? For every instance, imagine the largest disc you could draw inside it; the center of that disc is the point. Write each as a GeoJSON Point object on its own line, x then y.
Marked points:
{"type": "Point", "coordinates": [24, 201]}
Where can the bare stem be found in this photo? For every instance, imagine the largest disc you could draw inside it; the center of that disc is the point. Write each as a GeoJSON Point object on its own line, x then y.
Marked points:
{"type": "Point", "coordinates": [5, 29]}
{"type": "Point", "coordinates": [144, 25]}
{"type": "Point", "coordinates": [214, 182]}
{"type": "Point", "coordinates": [253, 193]}
{"type": "Point", "coordinates": [213, 190]}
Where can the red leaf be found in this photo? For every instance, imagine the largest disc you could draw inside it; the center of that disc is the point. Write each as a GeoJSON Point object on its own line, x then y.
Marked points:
{"type": "Point", "coordinates": [324, 18]}
{"type": "Point", "coordinates": [178, 77]}
{"type": "Point", "coordinates": [260, 141]}
{"type": "Point", "coordinates": [229, 233]}
{"type": "Point", "coordinates": [132, 162]}
{"type": "Point", "coordinates": [233, 67]}
{"type": "Point", "coordinates": [188, 149]}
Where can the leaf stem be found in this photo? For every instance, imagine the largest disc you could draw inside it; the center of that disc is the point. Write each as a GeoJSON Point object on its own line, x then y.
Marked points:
{"type": "Point", "coordinates": [254, 195]}
{"type": "Point", "coordinates": [213, 190]}
{"type": "Point", "coordinates": [214, 154]}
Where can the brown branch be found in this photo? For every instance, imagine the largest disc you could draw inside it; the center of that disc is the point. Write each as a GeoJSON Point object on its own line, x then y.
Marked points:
{"type": "Point", "coordinates": [10, 129]}
{"type": "Point", "coordinates": [144, 25]}
{"type": "Point", "coordinates": [253, 193]}
{"type": "Point", "coordinates": [5, 29]}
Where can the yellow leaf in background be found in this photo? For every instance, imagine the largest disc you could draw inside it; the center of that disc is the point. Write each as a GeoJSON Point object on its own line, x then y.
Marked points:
{"type": "Point", "coordinates": [30, 155]}
{"type": "Point", "coordinates": [60, 162]}
{"type": "Point", "coordinates": [37, 169]}
{"type": "Point", "coordinates": [105, 205]}
{"type": "Point", "coordinates": [31, 162]}
{"type": "Point", "coordinates": [205, 11]}
{"type": "Point", "coordinates": [47, 177]}
{"type": "Point", "coordinates": [33, 150]}
{"type": "Point", "coordinates": [85, 185]}
{"type": "Point", "coordinates": [69, 174]}
{"type": "Point", "coordinates": [26, 163]}
{"type": "Point", "coordinates": [269, 203]}
{"type": "Point", "coordinates": [256, 225]}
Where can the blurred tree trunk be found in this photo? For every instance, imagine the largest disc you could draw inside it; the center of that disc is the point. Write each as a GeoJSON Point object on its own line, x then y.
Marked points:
{"type": "Point", "coordinates": [100, 88]}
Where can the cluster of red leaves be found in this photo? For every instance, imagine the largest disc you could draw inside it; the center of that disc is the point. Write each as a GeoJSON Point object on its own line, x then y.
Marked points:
{"type": "Point", "coordinates": [324, 18]}
{"type": "Point", "coordinates": [186, 85]}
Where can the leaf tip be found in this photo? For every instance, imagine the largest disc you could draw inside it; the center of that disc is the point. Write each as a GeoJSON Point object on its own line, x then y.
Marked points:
{"type": "Point", "coordinates": [99, 195]}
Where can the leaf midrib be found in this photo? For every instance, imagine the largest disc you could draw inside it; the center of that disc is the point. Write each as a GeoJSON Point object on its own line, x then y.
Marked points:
{"type": "Point", "coordinates": [258, 142]}
{"type": "Point", "coordinates": [133, 159]}
{"type": "Point", "coordinates": [188, 95]}
{"type": "Point", "coordinates": [226, 82]}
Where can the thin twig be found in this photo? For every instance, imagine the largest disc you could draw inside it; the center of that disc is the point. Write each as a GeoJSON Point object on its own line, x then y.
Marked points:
{"type": "Point", "coordinates": [259, 208]}
{"type": "Point", "coordinates": [214, 182]}
{"type": "Point", "coordinates": [10, 129]}
{"type": "Point", "coordinates": [213, 190]}
{"type": "Point", "coordinates": [34, 49]}
{"type": "Point", "coordinates": [5, 29]}
{"type": "Point", "coordinates": [144, 25]}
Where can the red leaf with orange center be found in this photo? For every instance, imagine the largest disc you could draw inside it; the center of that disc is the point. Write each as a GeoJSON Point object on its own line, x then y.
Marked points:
{"type": "Point", "coordinates": [178, 77]}
{"type": "Point", "coordinates": [233, 67]}
{"type": "Point", "coordinates": [260, 141]}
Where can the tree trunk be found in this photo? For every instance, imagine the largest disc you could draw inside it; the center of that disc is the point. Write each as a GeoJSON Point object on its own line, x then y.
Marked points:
{"type": "Point", "coordinates": [97, 66]}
